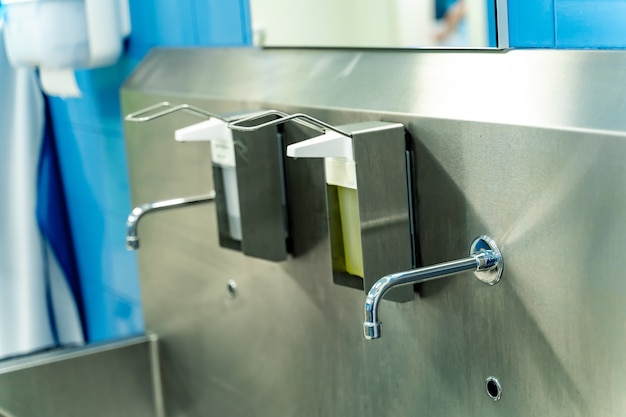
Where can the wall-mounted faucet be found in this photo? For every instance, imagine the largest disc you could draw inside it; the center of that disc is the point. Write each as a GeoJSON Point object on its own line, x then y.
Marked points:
{"type": "Point", "coordinates": [485, 260]}
{"type": "Point", "coordinates": [132, 239]}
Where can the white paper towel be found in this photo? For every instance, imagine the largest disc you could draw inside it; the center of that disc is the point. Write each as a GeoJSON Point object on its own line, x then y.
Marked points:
{"type": "Point", "coordinates": [59, 82]}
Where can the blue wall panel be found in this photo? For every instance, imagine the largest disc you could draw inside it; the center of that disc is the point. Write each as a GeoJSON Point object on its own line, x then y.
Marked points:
{"type": "Point", "coordinates": [94, 164]}
{"type": "Point", "coordinates": [223, 22]}
{"type": "Point", "coordinates": [110, 315]}
{"type": "Point", "coordinates": [94, 170]}
{"type": "Point", "coordinates": [161, 23]}
{"type": "Point", "coordinates": [567, 23]}
{"type": "Point", "coordinates": [491, 24]}
{"type": "Point", "coordinates": [531, 24]}
{"type": "Point", "coordinates": [591, 23]}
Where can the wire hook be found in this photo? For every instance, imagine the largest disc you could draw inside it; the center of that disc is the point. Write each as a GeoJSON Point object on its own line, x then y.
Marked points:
{"type": "Point", "coordinates": [301, 118]}
{"type": "Point", "coordinates": [146, 114]}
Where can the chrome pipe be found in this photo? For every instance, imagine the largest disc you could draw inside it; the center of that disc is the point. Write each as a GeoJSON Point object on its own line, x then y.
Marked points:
{"type": "Point", "coordinates": [132, 239]}
{"type": "Point", "coordinates": [485, 260]}
{"type": "Point", "coordinates": [149, 113]}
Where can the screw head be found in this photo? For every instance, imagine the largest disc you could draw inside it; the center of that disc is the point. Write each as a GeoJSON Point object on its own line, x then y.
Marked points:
{"type": "Point", "coordinates": [231, 287]}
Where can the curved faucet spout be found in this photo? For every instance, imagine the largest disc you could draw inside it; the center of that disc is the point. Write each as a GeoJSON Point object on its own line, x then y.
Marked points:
{"type": "Point", "coordinates": [132, 239]}
{"type": "Point", "coordinates": [485, 259]}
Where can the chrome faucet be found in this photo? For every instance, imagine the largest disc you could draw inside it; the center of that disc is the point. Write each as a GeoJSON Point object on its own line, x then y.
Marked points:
{"type": "Point", "coordinates": [485, 259]}
{"type": "Point", "coordinates": [132, 240]}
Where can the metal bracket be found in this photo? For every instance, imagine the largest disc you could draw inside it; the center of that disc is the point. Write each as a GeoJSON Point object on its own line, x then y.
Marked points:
{"type": "Point", "coordinates": [301, 118]}
{"type": "Point", "coordinates": [149, 113]}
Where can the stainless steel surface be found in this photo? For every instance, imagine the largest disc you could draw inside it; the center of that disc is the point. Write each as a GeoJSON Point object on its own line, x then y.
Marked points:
{"type": "Point", "coordinates": [105, 380]}
{"type": "Point", "coordinates": [505, 87]}
{"type": "Point", "coordinates": [150, 113]}
{"type": "Point", "coordinates": [132, 238]}
{"type": "Point", "coordinates": [262, 195]}
{"type": "Point", "coordinates": [480, 260]}
{"type": "Point", "coordinates": [526, 146]}
{"type": "Point", "coordinates": [232, 288]}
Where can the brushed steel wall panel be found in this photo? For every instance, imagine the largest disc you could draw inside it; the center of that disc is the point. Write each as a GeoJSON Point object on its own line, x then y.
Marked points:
{"type": "Point", "coordinates": [262, 199]}
{"type": "Point", "coordinates": [551, 88]}
{"type": "Point", "coordinates": [110, 379]}
{"type": "Point", "coordinates": [540, 170]}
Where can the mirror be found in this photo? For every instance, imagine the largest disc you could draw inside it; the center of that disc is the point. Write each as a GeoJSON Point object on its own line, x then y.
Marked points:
{"type": "Point", "coordinates": [380, 23]}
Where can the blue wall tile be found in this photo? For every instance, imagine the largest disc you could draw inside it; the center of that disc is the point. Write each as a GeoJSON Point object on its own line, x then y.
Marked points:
{"type": "Point", "coordinates": [94, 172]}
{"type": "Point", "coordinates": [107, 270]}
{"type": "Point", "coordinates": [531, 23]}
{"type": "Point", "coordinates": [491, 24]}
{"type": "Point", "coordinates": [591, 23]}
{"type": "Point", "coordinates": [161, 23]}
{"type": "Point", "coordinates": [94, 169]}
{"type": "Point", "coordinates": [110, 315]}
{"type": "Point", "coordinates": [223, 22]}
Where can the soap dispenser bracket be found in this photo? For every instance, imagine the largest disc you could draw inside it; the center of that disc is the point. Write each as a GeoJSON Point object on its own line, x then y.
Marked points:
{"type": "Point", "coordinates": [258, 135]}
{"type": "Point", "coordinates": [301, 118]}
{"type": "Point", "coordinates": [213, 130]}
{"type": "Point", "coordinates": [368, 198]}
{"type": "Point", "coordinates": [150, 113]}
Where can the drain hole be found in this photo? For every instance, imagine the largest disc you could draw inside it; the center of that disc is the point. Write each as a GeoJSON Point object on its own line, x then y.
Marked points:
{"type": "Point", "coordinates": [494, 390]}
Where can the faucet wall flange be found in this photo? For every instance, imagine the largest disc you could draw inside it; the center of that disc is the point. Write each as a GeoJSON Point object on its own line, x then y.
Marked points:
{"type": "Point", "coordinates": [491, 272]}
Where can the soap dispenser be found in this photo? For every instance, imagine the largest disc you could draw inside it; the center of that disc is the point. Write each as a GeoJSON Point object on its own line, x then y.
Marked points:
{"type": "Point", "coordinates": [233, 231]}
{"type": "Point", "coordinates": [370, 210]}
{"type": "Point", "coordinates": [216, 131]}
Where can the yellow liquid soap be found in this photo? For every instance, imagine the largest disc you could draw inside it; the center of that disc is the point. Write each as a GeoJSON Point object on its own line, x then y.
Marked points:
{"type": "Point", "coordinates": [351, 230]}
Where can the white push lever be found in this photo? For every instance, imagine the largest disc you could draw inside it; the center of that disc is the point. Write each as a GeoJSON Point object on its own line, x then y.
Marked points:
{"type": "Point", "coordinates": [329, 145]}
{"type": "Point", "coordinates": [203, 131]}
